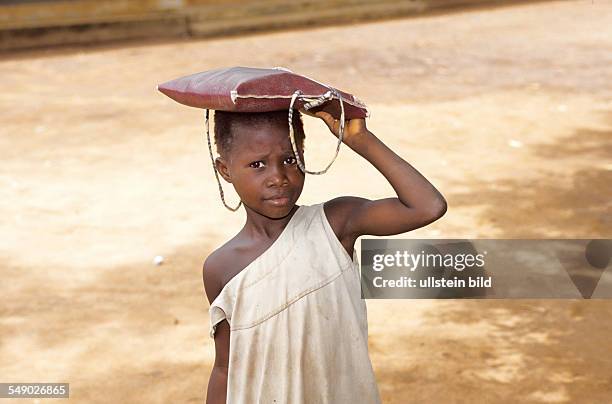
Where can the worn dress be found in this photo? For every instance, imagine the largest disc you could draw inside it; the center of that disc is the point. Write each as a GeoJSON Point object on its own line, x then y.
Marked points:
{"type": "Point", "coordinates": [299, 331]}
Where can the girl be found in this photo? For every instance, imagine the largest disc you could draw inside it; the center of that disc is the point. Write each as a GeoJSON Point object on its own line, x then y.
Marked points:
{"type": "Point", "coordinates": [287, 318]}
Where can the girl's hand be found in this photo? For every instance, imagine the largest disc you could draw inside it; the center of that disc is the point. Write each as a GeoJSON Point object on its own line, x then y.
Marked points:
{"type": "Point", "coordinates": [353, 128]}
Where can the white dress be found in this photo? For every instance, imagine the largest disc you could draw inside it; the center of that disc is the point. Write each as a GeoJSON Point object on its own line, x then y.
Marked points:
{"type": "Point", "coordinates": [299, 331]}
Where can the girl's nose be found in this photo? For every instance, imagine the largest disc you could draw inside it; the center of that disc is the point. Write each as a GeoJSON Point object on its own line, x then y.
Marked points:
{"type": "Point", "coordinates": [277, 177]}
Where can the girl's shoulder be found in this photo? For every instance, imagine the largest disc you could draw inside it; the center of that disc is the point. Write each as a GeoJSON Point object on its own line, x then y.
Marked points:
{"type": "Point", "coordinates": [217, 266]}
{"type": "Point", "coordinates": [338, 212]}
{"type": "Point", "coordinates": [227, 261]}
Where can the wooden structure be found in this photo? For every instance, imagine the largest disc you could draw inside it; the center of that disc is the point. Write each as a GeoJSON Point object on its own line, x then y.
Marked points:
{"type": "Point", "coordinates": [37, 23]}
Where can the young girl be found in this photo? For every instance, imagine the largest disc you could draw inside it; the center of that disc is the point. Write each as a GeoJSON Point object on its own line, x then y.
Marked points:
{"type": "Point", "coordinates": [286, 311]}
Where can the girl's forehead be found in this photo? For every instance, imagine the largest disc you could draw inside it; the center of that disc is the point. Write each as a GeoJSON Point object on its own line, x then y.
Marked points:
{"type": "Point", "coordinates": [261, 138]}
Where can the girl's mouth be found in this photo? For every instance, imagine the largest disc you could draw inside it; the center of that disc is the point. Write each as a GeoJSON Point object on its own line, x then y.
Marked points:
{"type": "Point", "coordinates": [279, 201]}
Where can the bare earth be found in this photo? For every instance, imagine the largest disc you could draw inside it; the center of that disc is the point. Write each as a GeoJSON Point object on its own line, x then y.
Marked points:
{"type": "Point", "coordinates": [507, 111]}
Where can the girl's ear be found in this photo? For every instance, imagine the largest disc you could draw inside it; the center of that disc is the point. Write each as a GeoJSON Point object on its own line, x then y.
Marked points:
{"type": "Point", "coordinates": [222, 169]}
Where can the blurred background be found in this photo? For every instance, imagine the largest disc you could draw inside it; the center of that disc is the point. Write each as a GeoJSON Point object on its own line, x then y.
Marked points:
{"type": "Point", "coordinates": [109, 205]}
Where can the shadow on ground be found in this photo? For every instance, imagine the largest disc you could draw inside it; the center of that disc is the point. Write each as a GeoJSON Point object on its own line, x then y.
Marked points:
{"type": "Point", "coordinates": [552, 205]}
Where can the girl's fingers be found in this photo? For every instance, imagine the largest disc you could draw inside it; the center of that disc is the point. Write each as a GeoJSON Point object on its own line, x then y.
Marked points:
{"type": "Point", "coordinates": [332, 124]}
{"type": "Point", "coordinates": [324, 115]}
{"type": "Point", "coordinates": [327, 118]}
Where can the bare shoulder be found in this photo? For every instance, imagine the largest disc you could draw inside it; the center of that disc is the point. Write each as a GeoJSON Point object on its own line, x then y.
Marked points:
{"type": "Point", "coordinates": [214, 269]}
{"type": "Point", "coordinates": [339, 211]}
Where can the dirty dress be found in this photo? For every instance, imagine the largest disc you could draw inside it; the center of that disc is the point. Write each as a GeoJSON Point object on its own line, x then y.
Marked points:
{"type": "Point", "coordinates": [299, 331]}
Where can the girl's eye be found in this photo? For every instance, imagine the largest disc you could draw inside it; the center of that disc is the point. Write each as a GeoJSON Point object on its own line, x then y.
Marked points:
{"type": "Point", "coordinates": [255, 164]}
{"type": "Point", "coordinates": [292, 160]}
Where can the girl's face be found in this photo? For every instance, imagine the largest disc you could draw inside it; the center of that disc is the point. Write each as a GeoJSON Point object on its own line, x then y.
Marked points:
{"type": "Point", "coordinates": [262, 168]}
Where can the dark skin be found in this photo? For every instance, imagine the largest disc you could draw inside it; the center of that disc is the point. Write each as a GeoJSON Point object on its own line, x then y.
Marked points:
{"type": "Point", "coordinates": [261, 165]}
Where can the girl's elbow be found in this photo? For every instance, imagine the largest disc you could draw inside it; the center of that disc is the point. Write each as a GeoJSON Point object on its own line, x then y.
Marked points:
{"type": "Point", "coordinates": [438, 209]}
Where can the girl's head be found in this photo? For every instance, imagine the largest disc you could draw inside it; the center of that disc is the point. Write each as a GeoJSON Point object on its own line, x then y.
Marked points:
{"type": "Point", "coordinates": [256, 157]}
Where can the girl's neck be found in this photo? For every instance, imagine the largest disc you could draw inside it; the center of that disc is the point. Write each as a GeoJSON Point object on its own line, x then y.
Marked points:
{"type": "Point", "coordinates": [259, 227]}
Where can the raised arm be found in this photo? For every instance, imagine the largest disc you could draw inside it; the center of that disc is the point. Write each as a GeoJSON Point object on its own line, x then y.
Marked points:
{"type": "Point", "coordinates": [418, 202]}
{"type": "Point", "coordinates": [217, 384]}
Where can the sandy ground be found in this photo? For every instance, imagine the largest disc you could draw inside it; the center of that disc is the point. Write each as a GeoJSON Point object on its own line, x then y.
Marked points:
{"type": "Point", "coordinates": [507, 111]}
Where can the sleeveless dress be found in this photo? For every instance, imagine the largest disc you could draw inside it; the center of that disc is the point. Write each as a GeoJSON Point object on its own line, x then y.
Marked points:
{"type": "Point", "coordinates": [299, 331]}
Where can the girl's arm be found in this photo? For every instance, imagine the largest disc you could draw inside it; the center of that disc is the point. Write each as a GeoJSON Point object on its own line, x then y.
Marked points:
{"type": "Point", "coordinates": [217, 384]}
{"type": "Point", "coordinates": [418, 202]}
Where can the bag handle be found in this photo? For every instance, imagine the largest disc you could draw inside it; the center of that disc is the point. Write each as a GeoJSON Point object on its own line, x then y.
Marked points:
{"type": "Point", "coordinates": [315, 102]}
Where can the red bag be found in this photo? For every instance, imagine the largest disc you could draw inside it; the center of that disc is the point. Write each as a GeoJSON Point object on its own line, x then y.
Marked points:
{"type": "Point", "coordinates": [247, 89]}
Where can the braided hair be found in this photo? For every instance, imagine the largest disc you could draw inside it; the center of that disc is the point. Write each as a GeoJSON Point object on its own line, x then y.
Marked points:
{"type": "Point", "coordinates": [225, 124]}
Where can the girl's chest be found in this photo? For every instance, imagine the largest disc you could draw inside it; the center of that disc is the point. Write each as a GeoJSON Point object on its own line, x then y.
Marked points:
{"type": "Point", "coordinates": [239, 254]}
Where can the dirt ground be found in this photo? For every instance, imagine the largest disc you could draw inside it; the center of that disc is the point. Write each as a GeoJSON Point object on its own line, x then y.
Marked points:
{"type": "Point", "coordinates": [507, 111]}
